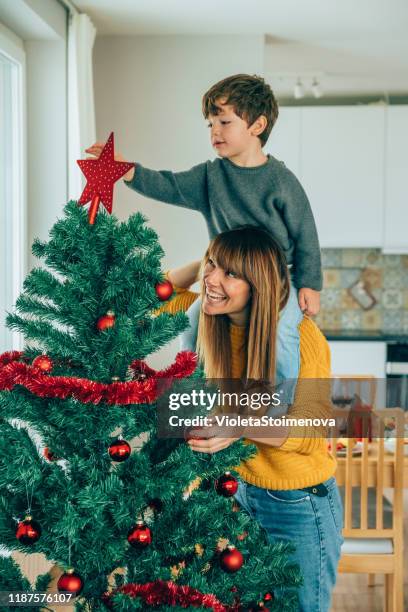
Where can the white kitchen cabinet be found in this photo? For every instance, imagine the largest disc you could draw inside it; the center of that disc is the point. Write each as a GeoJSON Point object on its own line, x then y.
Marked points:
{"type": "Point", "coordinates": [362, 358]}
{"type": "Point", "coordinates": [396, 171]}
{"type": "Point", "coordinates": [284, 140]}
{"type": "Point", "coordinates": [352, 162]}
{"type": "Point", "coordinates": [342, 171]}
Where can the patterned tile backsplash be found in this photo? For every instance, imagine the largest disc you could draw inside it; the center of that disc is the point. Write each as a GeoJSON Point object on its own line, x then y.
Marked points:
{"type": "Point", "coordinates": [385, 277]}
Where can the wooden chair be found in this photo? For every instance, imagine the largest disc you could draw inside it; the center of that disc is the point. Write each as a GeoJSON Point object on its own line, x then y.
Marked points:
{"type": "Point", "coordinates": [375, 548]}
{"type": "Point", "coordinates": [346, 386]}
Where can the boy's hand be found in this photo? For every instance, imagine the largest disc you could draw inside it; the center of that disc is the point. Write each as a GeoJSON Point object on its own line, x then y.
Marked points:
{"type": "Point", "coordinates": [96, 149]}
{"type": "Point", "coordinates": [309, 301]}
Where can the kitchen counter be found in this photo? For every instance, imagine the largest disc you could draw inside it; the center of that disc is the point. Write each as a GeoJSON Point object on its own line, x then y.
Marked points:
{"type": "Point", "coordinates": [364, 335]}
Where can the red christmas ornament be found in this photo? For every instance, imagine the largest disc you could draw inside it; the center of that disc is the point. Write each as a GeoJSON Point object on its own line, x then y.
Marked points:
{"type": "Point", "coordinates": [119, 450]}
{"type": "Point", "coordinates": [231, 559]}
{"type": "Point", "coordinates": [106, 321]}
{"type": "Point", "coordinates": [70, 582]}
{"type": "Point", "coordinates": [268, 597]}
{"type": "Point", "coordinates": [49, 455]}
{"type": "Point", "coordinates": [101, 174]}
{"type": "Point", "coordinates": [140, 535]}
{"type": "Point", "coordinates": [164, 290]}
{"type": "Point", "coordinates": [43, 362]}
{"type": "Point", "coordinates": [28, 531]}
{"type": "Point", "coordinates": [226, 485]}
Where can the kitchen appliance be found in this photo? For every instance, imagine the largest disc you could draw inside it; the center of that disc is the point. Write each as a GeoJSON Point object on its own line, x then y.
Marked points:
{"type": "Point", "coordinates": [396, 369]}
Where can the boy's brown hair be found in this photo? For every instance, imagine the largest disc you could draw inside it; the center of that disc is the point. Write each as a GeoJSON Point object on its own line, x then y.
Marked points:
{"type": "Point", "coordinates": [250, 97]}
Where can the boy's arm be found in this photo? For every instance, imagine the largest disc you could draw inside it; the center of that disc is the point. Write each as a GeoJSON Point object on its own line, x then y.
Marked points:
{"type": "Point", "coordinates": [301, 226]}
{"type": "Point", "coordinates": [187, 189]}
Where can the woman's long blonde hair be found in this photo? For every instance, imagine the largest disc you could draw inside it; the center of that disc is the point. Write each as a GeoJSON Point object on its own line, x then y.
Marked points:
{"type": "Point", "coordinates": [253, 255]}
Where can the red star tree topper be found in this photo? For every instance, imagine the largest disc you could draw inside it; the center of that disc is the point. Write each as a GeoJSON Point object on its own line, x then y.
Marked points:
{"type": "Point", "coordinates": [101, 174]}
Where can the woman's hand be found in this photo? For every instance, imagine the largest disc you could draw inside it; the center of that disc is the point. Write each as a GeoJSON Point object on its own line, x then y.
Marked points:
{"type": "Point", "coordinates": [211, 445]}
{"type": "Point", "coordinates": [214, 438]}
{"type": "Point", "coordinates": [96, 149]}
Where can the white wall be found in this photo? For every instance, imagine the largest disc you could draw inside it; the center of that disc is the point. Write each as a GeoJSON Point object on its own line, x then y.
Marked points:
{"type": "Point", "coordinates": [34, 19]}
{"type": "Point", "coordinates": [148, 90]}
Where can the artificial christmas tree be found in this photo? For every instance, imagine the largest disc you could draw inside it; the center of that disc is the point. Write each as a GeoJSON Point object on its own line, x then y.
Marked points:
{"type": "Point", "coordinates": [84, 498]}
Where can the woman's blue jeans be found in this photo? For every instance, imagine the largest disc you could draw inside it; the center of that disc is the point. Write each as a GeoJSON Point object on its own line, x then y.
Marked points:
{"type": "Point", "coordinates": [313, 524]}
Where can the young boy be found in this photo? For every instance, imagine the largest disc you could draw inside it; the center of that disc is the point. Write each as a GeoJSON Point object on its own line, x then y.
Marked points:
{"type": "Point", "coordinates": [243, 186]}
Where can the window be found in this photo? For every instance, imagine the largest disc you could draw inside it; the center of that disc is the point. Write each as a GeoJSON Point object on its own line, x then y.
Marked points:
{"type": "Point", "coordinates": [12, 179]}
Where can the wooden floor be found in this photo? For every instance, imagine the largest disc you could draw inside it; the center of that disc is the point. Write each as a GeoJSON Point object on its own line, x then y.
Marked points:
{"type": "Point", "coordinates": [352, 592]}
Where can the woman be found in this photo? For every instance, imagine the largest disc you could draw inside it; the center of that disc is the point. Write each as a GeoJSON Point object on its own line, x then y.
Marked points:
{"type": "Point", "coordinates": [288, 486]}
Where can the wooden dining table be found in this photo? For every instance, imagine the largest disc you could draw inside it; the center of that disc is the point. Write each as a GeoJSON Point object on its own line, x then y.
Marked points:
{"type": "Point", "coordinates": [389, 461]}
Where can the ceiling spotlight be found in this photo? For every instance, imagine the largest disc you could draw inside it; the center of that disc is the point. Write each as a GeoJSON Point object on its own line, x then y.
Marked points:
{"type": "Point", "coordinates": [316, 89]}
{"type": "Point", "coordinates": [298, 90]}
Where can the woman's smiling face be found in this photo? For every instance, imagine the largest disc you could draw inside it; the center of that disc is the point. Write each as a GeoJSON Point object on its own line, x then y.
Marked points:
{"type": "Point", "coordinates": [225, 293]}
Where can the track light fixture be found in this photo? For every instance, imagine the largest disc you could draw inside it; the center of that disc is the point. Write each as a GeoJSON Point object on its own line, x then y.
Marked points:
{"type": "Point", "coordinates": [303, 83]}
{"type": "Point", "coordinates": [298, 90]}
{"type": "Point", "coordinates": [316, 89]}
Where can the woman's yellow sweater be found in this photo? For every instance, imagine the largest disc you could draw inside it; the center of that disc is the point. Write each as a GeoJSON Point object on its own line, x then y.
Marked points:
{"type": "Point", "coordinates": [303, 459]}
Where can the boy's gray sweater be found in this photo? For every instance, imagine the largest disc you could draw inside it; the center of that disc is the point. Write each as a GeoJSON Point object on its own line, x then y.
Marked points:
{"type": "Point", "coordinates": [229, 196]}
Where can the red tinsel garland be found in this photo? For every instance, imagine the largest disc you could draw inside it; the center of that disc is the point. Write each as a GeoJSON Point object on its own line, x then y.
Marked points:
{"type": "Point", "coordinates": [171, 594]}
{"type": "Point", "coordinates": [13, 371]}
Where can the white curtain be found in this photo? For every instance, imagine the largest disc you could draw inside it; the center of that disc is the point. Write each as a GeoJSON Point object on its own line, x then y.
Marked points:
{"type": "Point", "coordinates": [81, 106]}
